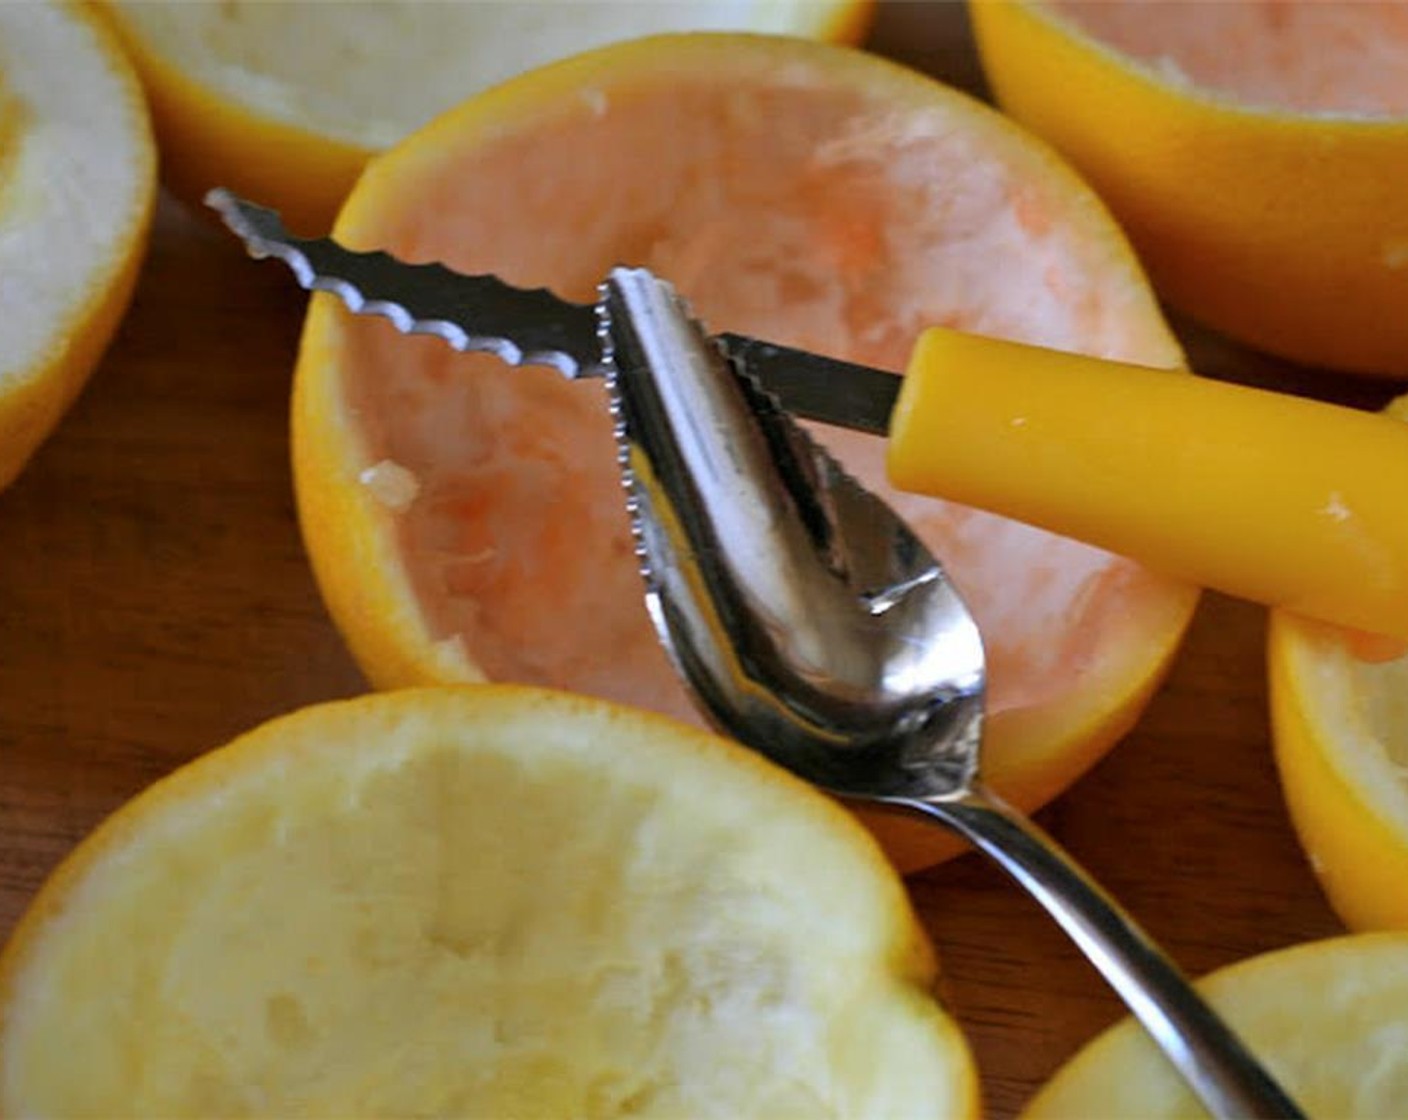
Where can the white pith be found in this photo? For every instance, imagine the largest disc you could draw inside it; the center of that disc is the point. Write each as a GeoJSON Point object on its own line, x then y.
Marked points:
{"type": "Point", "coordinates": [69, 187]}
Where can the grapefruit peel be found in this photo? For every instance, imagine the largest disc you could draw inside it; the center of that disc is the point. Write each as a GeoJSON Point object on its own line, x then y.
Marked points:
{"type": "Point", "coordinates": [476, 901]}
{"type": "Point", "coordinates": [1273, 214]}
{"type": "Point", "coordinates": [77, 192]}
{"type": "Point", "coordinates": [475, 189]}
{"type": "Point", "coordinates": [279, 103]}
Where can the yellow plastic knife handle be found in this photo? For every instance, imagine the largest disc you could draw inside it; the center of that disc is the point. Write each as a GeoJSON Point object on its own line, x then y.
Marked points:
{"type": "Point", "coordinates": [1273, 498]}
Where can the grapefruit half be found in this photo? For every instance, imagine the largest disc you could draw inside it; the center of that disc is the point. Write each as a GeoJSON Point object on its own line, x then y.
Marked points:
{"type": "Point", "coordinates": [465, 519]}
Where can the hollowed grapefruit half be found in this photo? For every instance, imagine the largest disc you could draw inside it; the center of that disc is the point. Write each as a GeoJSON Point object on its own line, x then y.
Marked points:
{"type": "Point", "coordinates": [465, 519]}
{"type": "Point", "coordinates": [1339, 708]}
{"type": "Point", "coordinates": [1255, 152]}
{"type": "Point", "coordinates": [286, 102]}
{"type": "Point", "coordinates": [1325, 1016]}
{"type": "Point", "coordinates": [482, 902]}
{"type": "Point", "coordinates": [77, 192]}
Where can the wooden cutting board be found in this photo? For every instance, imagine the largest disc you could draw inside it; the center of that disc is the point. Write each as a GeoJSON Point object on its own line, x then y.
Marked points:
{"type": "Point", "coordinates": [155, 601]}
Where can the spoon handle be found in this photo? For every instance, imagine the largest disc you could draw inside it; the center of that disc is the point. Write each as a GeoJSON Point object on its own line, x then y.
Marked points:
{"type": "Point", "coordinates": [1216, 1064]}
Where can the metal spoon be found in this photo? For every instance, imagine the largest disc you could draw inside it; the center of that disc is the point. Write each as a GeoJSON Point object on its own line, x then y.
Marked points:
{"type": "Point", "coordinates": [817, 629]}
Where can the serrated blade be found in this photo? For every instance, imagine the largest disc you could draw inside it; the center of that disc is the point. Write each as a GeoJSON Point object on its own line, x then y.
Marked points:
{"type": "Point", "coordinates": [521, 326]}
{"type": "Point", "coordinates": [535, 327]}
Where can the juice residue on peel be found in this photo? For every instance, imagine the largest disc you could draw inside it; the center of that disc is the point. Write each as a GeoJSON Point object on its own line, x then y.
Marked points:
{"type": "Point", "coordinates": [391, 484]}
{"type": "Point", "coordinates": [811, 218]}
{"type": "Point", "coordinates": [1310, 56]}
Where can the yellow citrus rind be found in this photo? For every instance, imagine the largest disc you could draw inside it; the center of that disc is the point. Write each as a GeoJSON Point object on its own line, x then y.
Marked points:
{"type": "Point", "coordinates": [1325, 1017]}
{"type": "Point", "coordinates": [1341, 767]}
{"type": "Point", "coordinates": [1340, 730]}
{"type": "Point", "coordinates": [77, 193]}
{"type": "Point", "coordinates": [232, 132]}
{"type": "Point", "coordinates": [476, 901]}
{"type": "Point", "coordinates": [1284, 230]}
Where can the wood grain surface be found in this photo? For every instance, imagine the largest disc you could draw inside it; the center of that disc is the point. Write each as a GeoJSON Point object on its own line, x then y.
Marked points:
{"type": "Point", "coordinates": [155, 601]}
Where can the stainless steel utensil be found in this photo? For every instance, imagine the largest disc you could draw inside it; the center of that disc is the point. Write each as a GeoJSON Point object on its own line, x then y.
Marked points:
{"type": "Point", "coordinates": [811, 623]}
{"type": "Point", "coordinates": [815, 627]}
